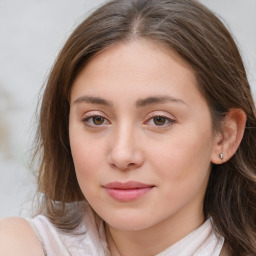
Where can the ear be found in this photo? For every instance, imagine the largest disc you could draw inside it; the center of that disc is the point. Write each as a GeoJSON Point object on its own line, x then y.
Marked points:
{"type": "Point", "coordinates": [227, 141]}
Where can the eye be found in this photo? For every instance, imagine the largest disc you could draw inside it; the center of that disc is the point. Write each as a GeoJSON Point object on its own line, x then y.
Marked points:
{"type": "Point", "coordinates": [95, 120]}
{"type": "Point", "coordinates": [160, 121]}
{"type": "Point", "coordinates": [98, 120]}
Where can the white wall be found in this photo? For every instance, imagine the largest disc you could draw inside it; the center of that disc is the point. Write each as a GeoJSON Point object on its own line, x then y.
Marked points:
{"type": "Point", "coordinates": [31, 34]}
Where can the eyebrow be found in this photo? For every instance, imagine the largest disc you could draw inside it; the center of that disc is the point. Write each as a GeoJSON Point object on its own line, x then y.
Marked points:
{"type": "Point", "coordinates": [93, 100]}
{"type": "Point", "coordinates": [157, 100]}
{"type": "Point", "coordinates": [139, 103]}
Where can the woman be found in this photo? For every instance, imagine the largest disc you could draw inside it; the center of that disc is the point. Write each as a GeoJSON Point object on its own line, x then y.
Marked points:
{"type": "Point", "coordinates": [146, 139]}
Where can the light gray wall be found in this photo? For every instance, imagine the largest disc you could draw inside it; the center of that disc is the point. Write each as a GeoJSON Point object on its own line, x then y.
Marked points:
{"type": "Point", "coordinates": [31, 34]}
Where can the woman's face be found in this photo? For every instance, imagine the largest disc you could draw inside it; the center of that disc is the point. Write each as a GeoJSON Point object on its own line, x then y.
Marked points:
{"type": "Point", "coordinates": [141, 138]}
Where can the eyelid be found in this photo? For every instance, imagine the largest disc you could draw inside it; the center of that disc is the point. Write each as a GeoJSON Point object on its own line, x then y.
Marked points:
{"type": "Point", "coordinates": [93, 113]}
{"type": "Point", "coordinates": [162, 114]}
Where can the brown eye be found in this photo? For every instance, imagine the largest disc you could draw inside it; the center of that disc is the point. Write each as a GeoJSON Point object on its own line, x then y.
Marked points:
{"type": "Point", "coordinates": [160, 120]}
{"type": "Point", "coordinates": [98, 120]}
{"type": "Point", "coordinates": [95, 121]}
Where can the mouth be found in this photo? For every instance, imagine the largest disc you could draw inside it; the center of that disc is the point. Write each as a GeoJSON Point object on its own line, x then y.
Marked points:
{"type": "Point", "coordinates": [128, 191]}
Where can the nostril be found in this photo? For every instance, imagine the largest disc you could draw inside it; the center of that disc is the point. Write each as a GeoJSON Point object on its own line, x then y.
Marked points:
{"type": "Point", "coordinates": [130, 166]}
{"type": "Point", "coordinates": [124, 166]}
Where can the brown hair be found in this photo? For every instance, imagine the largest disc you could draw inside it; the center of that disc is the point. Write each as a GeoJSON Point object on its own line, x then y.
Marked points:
{"type": "Point", "coordinates": [200, 38]}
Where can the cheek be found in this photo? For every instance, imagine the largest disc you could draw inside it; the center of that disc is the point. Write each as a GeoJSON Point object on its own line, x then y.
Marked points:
{"type": "Point", "coordinates": [184, 168]}
{"type": "Point", "coordinates": [185, 156]}
{"type": "Point", "coordinates": [86, 161]}
{"type": "Point", "coordinates": [86, 156]}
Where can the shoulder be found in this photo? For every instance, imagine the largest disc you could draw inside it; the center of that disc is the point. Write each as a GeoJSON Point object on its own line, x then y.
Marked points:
{"type": "Point", "coordinates": [18, 238]}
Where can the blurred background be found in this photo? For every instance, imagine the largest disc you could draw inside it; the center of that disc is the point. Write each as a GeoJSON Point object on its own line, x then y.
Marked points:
{"type": "Point", "coordinates": [31, 34]}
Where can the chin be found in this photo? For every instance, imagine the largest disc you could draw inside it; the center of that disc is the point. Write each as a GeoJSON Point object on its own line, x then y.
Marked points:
{"type": "Point", "coordinates": [129, 222]}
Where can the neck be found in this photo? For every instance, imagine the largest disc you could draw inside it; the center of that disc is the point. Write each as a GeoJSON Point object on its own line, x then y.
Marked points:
{"type": "Point", "coordinates": [153, 240]}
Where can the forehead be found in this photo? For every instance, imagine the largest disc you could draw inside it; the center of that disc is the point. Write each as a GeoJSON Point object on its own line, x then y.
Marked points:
{"type": "Point", "coordinates": [136, 68]}
{"type": "Point", "coordinates": [135, 53]}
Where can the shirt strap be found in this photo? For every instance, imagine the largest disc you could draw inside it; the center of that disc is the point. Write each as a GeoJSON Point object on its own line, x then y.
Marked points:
{"type": "Point", "coordinates": [38, 235]}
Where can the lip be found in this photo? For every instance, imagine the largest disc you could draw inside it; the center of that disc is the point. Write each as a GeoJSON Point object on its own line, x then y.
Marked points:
{"type": "Point", "coordinates": [127, 191]}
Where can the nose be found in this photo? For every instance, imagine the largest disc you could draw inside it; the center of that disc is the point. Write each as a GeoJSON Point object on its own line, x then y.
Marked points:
{"type": "Point", "coordinates": [125, 151]}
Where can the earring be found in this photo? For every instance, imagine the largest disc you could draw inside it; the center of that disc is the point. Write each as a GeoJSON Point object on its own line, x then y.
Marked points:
{"type": "Point", "coordinates": [221, 156]}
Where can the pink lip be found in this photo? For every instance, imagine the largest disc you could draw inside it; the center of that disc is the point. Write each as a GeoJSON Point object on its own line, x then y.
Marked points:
{"type": "Point", "coordinates": [128, 191]}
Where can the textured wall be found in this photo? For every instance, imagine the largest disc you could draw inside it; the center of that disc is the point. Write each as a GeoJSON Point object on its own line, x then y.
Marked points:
{"type": "Point", "coordinates": [31, 34]}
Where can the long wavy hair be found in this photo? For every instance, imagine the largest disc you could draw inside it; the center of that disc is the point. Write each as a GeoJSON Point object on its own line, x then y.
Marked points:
{"type": "Point", "coordinates": [198, 37]}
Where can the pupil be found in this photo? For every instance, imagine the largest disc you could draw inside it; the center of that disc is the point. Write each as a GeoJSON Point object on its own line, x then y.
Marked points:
{"type": "Point", "coordinates": [159, 120]}
{"type": "Point", "coordinates": [98, 120]}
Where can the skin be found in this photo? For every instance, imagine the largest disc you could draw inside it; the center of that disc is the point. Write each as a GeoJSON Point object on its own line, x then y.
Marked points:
{"type": "Point", "coordinates": [17, 238]}
{"type": "Point", "coordinates": [126, 143]}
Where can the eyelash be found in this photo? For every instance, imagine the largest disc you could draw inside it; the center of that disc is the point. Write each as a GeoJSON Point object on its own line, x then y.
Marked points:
{"type": "Point", "coordinates": [167, 120]}
{"type": "Point", "coordinates": [88, 121]}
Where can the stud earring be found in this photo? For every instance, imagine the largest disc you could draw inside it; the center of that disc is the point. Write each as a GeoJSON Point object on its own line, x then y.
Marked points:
{"type": "Point", "coordinates": [221, 156]}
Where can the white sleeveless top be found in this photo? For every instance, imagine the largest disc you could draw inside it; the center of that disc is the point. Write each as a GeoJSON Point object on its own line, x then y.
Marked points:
{"type": "Point", "coordinates": [89, 239]}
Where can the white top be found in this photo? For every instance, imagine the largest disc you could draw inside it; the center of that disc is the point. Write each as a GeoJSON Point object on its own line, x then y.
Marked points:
{"type": "Point", "coordinates": [89, 239]}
